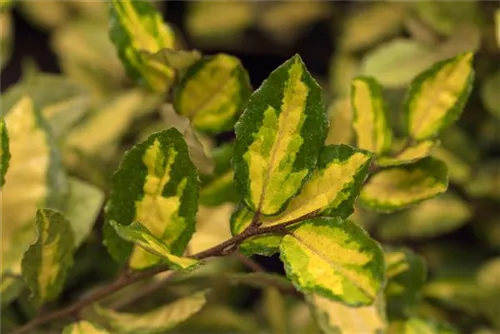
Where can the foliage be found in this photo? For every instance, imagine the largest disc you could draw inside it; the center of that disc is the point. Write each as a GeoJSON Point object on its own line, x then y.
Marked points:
{"type": "Point", "coordinates": [373, 191]}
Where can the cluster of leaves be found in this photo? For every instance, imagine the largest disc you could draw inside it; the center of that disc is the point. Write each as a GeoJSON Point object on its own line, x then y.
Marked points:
{"type": "Point", "coordinates": [318, 186]}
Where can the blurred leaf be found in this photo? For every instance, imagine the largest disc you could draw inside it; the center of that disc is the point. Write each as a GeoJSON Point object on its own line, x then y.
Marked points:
{"type": "Point", "coordinates": [274, 309]}
{"type": "Point", "coordinates": [373, 133]}
{"type": "Point", "coordinates": [203, 163]}
{"type": "Point", "coordinates": [342, 69]}
{"type": "Point", "coordinates": [406, 275]}
{"type": "Point", "coordinates": [490, 94]}
{"type": "Point", "coordinates": [10, 288]}
{"type": "Point", "coordinates": [485, 181]}
{"type": "Point", "coordinates": [260, 280]}
{"type": "Point", "coordinates": [156, 321]}
{"type": "Point", "coordinates": [139, 235]}
{"type": "Point", "coordinates": [87, 56]}
{"type": "Point", "coordinates": [213, 93]}
{"type": "Point", "coordinates": [46, 262]}
{"type": "Point", "coordinates": [458, 170]}
{"type": "Point", "coordinates": [212, 227]}
{"type": "Point", "coordinates": [335, 259]}
{"type": "Point", "coordinates": [372, 24]}
{"type": "Point", "coordinates": [340, 115]}
{"type": "Point", "coordinates": [218, 22]}
{"type": "Point", "coordinates": [431, 218]}
{"type": "Point", "coordinates": [285, 21]}
{"type": "Point", "coordinates": [136, 26]}
{"type": "Point", "coordinates": [6, 37]}
{"type": "Point", "coordinates": [497, 25]}
{"type": "Point", "coordinates": [408, 155]}
{"type": "Point", "coordinates": [4, 151]}
{"type": "Point", "coordinates": [83, 327]}
{"type": "Point", "coordinates": [395, 188]}
{"type": "Point", "coordinates": [416, 325]}
{"type": "Point", "coordinates": [35, 179]}
{"type": "Point", "coordinates": [83, 205]}
{"type": "Point", "coordinates": [337, 318]}
{"type": "Point", "coordinates": [156, 185]}
{"type": "Point", "coordinates": [61, 101]}
{"type": "Point", "coordinates": [179, 60]}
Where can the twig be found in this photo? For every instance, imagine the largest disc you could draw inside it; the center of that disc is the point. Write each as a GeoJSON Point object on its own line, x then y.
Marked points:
{"type": "Point", "coordinates": [249, 263]}
{"type": "Point", "coordinates": [127, 278]}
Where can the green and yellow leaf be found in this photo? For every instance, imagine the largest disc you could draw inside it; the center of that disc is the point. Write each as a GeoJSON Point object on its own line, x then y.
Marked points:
{"type": "Point", "coordinates": [398, 187]}
{"type": "Point", "coordinates": [83, 327]}
{"type": "Point", "coordinates": [142, 237]}
{"type": "Point", "coordinates": [373, 131]}
{"type": "Point", "coordinates": [82, 207]}
{"type": "Point", "coordinates": [157, 186]}
{"type": "Point", "coordinates": [213, 93]}
{"type": "Point", "coordinates": [431, 218]}
{"type": "Point", "coordinates": [4, 151]}
{"type": "Point", "coordinates": [418, 325]}
{"type": "Point", "coordinates": [136, 27]}
{"type": "Point", "coordinates": [406, 274]}
{"type": "Point", "coordinates": [46, 262]}
{"type": "Point", "coordinates": [337, 318]}
{"type": "Point", "coordinates": [408, 155]}
{"type": "Point", "coordinates": [279, 137]}
{"type": "Point", "coordinates": [156, 321]}
{"type": "Point", "coordinates": [437, 96]}
{"type": "Point", "coordinates": [335, 259]}
{"type": "Point", "coordinates": [179, 60]}
{"type": "Point", "coordinates": [35, 179]}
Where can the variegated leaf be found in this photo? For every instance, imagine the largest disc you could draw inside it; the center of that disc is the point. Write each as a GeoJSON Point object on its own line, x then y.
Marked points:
{"type": "Point", "coordinates": [84, 327]}
{"type": "Point", "coordinates": [4, 151]}
{"type": "Point", "coordinates": [135, 27]}
{"type": "Point", "coordinates": [266, 245]}
{"type": "Point", "coordinates": [398, 187]}
{"type": "Point", "coordinates": [142, 237]}
{"type": "Point", "coordinates": [436, 216]}
{"type": "Point", "coordinates": [408, 155]}
{"type": "Point", "coordinates": [337, 318]}
{"type": "Point", "coordinates": [335, 259]}
{"type": "Point", "coordinates": [179, 60]}
{"type": "Point", "coordinates": [213, 93]}
{"type": "Point", "coordinates": [372, 128]}
{"type": "Point", "coordinates": [279, 138]}
{"type": "Point", "coordinates": [46, 262]}
{"type": "Point", "coordinates": [157, 186]}
{"type": "Point", "coordinates": [437, 96]}
{"type": "Point", "coordinates": [35, 179]}
{"type": "Point", "coordinates": [418, 325]}
{"type": "Point", "coordinates": [406, 274]}
{"type": "Point", "coordinates": [156, 321]}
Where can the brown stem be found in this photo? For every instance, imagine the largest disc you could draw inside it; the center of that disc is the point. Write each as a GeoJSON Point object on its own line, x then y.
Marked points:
{"type": "Point", "coordinates": [127, 278]}
{"type": "Point", "coordinates": [249, 263]}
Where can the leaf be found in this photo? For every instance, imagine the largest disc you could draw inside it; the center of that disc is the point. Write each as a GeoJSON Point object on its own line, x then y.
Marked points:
{"type": "Point", "coordinates": [83, 327]}
{"type": "Point", "coordinates": [489, 93]}
{"type": "Point", "coordinates": [6, 37]}
{"type": "Point", "coordinates": [179, 60]}
{"type": "Point", "coordinates": [35, 179]}
{"type": "Point", "coordinates": [459, 171]}
{"type": "Point", "coordinates": [437, 96]}
{"type": "Point", "coordinates": [335, 259]}
{"type": "Point", "coordinates": [82, 207]}
{"type": "Point", "coordinates": [203, 163]}
{"type": "Point", "coordinates": [136, 26]}
{"type": "Point", "coordinates": [157, 186]}
{"type": "Point", "coordinates": [265, 245]}
{"type": "Point", "coordinates": [10, 288]}
{"type": "Point", "coordinates": [342, 69]}
{"type": "Point", "coordinates": [274, 309]}
{"type": "Point", "coordinates": [46, 262]}
{"type": "Point", "coordinates": [213, 93]}
{"type": "Point", "coordinates": [398, 187]}
{"type": "Point", "coordinates": [260, 280]}
{"type": "Point", "coordinates": [279, 137]}
{"type": "Point", "coordinates": [485, 182]}
{"type": "Point", "coordinates": [211, 227]}
{"type": "Point", "coordinates": [336, 318]}
{"type": "Point", "coordinates": [340, 115]}
{"type": "Point", "coordinates": [497, 25]}
{"type": "Point", "coordinates": [408, 155]}
{"type": "Point", "coordinates": [62, 102]}
{"type": "Point", "coordinates": [4, 151]}
{"type": "Point", "coordinates": [370, 115]}
{"type": "Point", "coordinates": [417, 325]}
{"type": "Point", "coordinates": [432, 218]}
{"type": "Point", "coordinates": [332, 187]}
{"type": "Point", "coordinates": [406, 274]}
{"type": "Point", "coordinates": [142, 237]}
{"type": "Point", "coordinates": [158, 320]}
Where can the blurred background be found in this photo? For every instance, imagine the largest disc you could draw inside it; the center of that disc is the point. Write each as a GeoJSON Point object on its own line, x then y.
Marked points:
{"type": "Point", "coordinates": [458, 233]}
